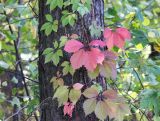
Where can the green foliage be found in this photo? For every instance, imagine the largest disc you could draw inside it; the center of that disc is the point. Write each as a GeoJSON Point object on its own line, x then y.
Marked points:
{"type": "Point", "coordinates": [50, 25]}
{"type": "Point", "coordinates": [138, 77]}
{"type": "Point", "coordinates": [68, 18]}
{"type": "Point", "coordinates": [150, 100]}
{"type": "Point", "coordinates": [54, 3]}
{"type": "Point", "coordinates": [53, 54]}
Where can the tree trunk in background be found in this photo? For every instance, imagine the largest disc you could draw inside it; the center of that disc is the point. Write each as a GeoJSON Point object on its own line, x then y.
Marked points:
{"type": "Point", "coordinates": [49, 108]}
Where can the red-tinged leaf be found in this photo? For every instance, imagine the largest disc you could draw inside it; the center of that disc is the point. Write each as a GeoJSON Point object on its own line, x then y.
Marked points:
{"type": "Point", "coordinates": [90, 60]}
{"type": "Point", "coordinates": [57, 82]}
{"type": "Point", "coordinates": [111, 109]}
{"type": "Point", "coordinates": [90, 92]}
{"type": "Point", "coordinates": [100, 110]}
{"type": "Point", "coordinates": [122, 110]}
{"type": "Point", "coordinates": [74, 95]}
{"type": "Point", "coordinates": [124, 33]}
{"type": "Point", "coordinates": [110, 55]}
{"type": "Point", "coordinates": [73, 46]}
{"type": "Point", "coordinates": [107, 33]}
{"type": "Point", "coordinates": [89, 106]}
{"type": "Point", "coordinates": [78, 86]}
{"type": "Point", "coordinates": [108, 69]}
{"type": "Point", "coordinates": [78, 58]}
{"type": "Point", "coordinates": [119, 41]}
{"type": "Point", "coordinates": [74, 36]}
{"type": "Point", "coordinates": [117, 37]}
{"type": "Point", "coordinates": [97, 43]}
{"type": "Point", "coordinates": [68, 108]}
{"type": "Point", "coordinates": [110, 94]}
{"type": "Point", "coordinates": [99, 56]}
{"type": "Point", "coordinates": [110, 41]}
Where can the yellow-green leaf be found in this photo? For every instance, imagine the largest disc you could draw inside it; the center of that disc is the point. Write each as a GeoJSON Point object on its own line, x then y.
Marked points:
{"type": "Point", "coordinates": [74, 95]}
{"type": "Point", "coordinates": [100, 110]}
{"type": "Point", "coordinates": [62, 95]}
{"type": "Point", "coordinates": [89, 106]}
{"type": "Point", "coordinates": [90, 92]}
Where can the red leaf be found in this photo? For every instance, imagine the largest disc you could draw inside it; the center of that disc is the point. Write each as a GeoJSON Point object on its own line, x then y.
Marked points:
{"type": "Point", "coordinates": [97, 43]}
{"type": "Point", "coordinates": [78, 86]}
{"type": "Point", "coordinates": [78, 59]}
{"type": "Point", "coordinates": [68, 109]}
{"type": "Point", "coordinates": [124, 33]}
{"type": "Point", "coordinates": [73, 46]}
{"type": "Point", "coordinates": [98, 55]}
{"type": "Point", "coordinates": [87, 58]}
{"type": "Point", "coordinates": [117, 37]}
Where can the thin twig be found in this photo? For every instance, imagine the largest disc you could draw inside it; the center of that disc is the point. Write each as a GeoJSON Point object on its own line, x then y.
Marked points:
{"type": "Point", "coordinates": [8, 119]}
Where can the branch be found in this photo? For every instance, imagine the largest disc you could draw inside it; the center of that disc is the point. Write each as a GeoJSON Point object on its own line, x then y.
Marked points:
{"type": "Point", "coordinates": [140, 81]}
{"type": "Point", "coordinates": [8, 119]}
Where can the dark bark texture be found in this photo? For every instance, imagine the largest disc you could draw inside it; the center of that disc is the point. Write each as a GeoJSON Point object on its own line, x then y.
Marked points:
{"type": "Point", "coordinates": [49, 108]}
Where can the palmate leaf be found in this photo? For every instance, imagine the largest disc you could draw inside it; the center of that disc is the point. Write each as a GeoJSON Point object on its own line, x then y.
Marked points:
{"type": "Point", "coordinates": [100, 110]}
{"type": "Point", "coordinates": [62, 95]}
{"type": "Point", "coordinates": [150, 100]}
{"type": "Point", "coordinates": [78, 86]}
{"type": "Point", "coordinates": [121, 111]}
{"type": "Point", "coordinates": [57, 82]}
{"type": "Point", "coordinates": [89, 106]}
{"type": "Point", "coordinates": [90, 92]}
{"type": "Point", "coordinates": [74, 95]}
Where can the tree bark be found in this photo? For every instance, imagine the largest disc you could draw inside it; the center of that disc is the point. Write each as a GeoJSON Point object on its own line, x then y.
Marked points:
{"type": "Point", "coordinates": [49, 108]}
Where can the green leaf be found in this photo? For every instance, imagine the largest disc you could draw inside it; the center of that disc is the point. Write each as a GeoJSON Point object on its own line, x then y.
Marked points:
{"type": "Point", "coordinates": [63, 40]}
{"type": "Point", "coordinates": [82, 10]}
{"type": "Point", "coordinates": [62, 95]}
{"type": "Point", "coordinates": [59, 53]}
{"type": "Point", "coordinates": [95, 30]}
{"type": "Point", "coordinates": [100, 110]}
{"type": "Point", "coordinates": [49, 57]}
{"type": "Point", "coordinates": [60, 3]}
{"type": "Point", "coordinates": [74, 95]}
{"type": "Point", "coordinates": [53, 4]}
{"type": "Point", "coordinates": [139, 15]}
{"type": "Point", "coordinates": [57, 82]}
{"type": "Point", "coordinates": [47, 51]}
{"type": "Point", "coordinates": [55, 45]}
{"type": "Point", "coordinates": [14, 80]}
{"type": "Point", "coordinates": [55, 25]}
{"type": "Point", "coordinates": [55, 59]}
{"type": "Point", "coordinates": [15, 101]}
{"type": "Point", "coordinates": [4, 65]}
{"type": "Point", "coordinates": [45, 26]}
{"type": "Point", "coordinates": [66, 67]}
{"type": "Point", "coordinates": [93, 74]}
{"type": "Point", "coordinates": [156, 118]}
{"type": "Point", "coordinates": [49, 17]}
{"type": "Point", "coordinates": [89, 106]}
{"type": "Point", "coordinates": [48, 30]}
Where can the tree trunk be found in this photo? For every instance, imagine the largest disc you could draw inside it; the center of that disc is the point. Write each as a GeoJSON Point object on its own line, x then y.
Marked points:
{"type": "Point", "coordinates": [49, 108]}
